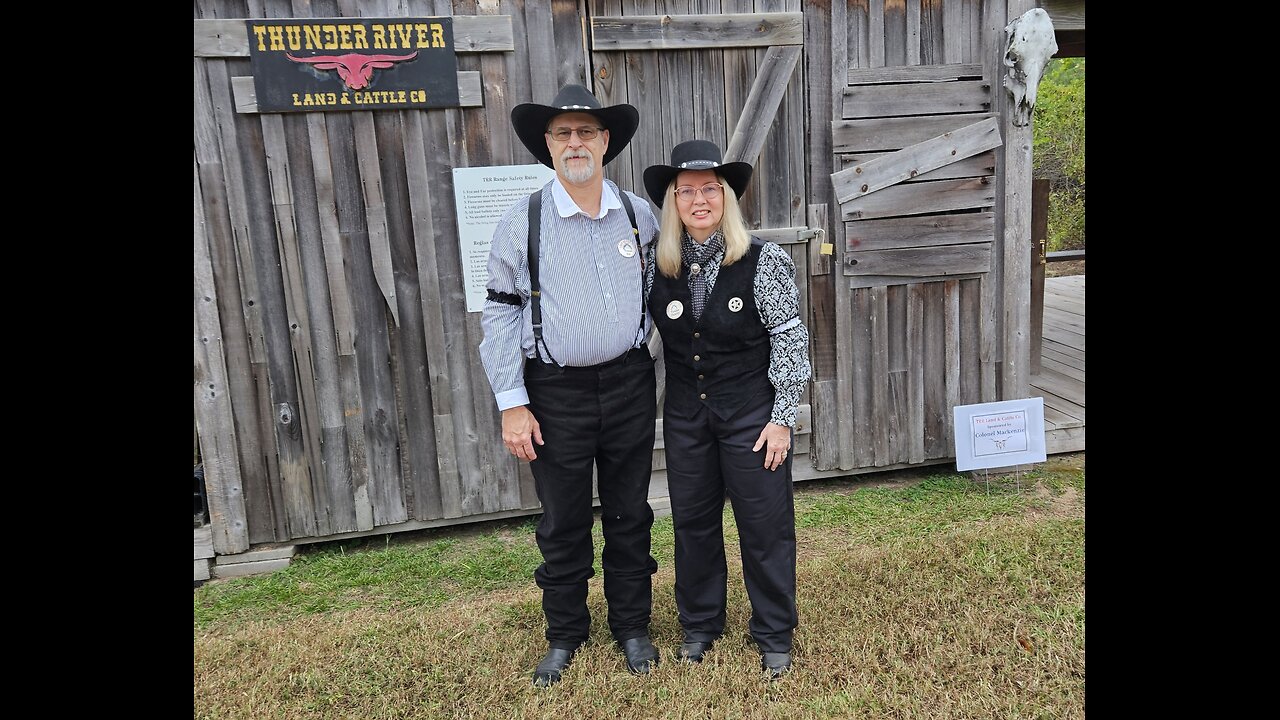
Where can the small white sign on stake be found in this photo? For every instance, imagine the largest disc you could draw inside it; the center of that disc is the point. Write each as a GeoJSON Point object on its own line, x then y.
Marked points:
{"type": "Point", "coordinates": [999, 434]}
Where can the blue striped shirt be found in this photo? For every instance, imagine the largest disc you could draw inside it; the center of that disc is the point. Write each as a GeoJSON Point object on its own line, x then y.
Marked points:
{"type": "Point", "coordinates": [592, 304]}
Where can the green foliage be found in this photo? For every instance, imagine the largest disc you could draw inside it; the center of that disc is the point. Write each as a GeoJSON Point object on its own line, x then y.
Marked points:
{"type": "Point", "coordinates": [1059, 150]}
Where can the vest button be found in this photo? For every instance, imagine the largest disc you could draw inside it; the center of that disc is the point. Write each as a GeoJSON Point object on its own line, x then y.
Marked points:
{"type": "Point", "coordinates": [697, 358]}
{"type": "Point", "coordinates": [697, 335]}
{"type": "Point", "coordinates": [701, 377]}
{"type": "Point", "coordinates": [703, 396]}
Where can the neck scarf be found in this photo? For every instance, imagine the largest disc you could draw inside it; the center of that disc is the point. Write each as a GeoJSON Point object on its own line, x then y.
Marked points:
{"type": "Point", "coordinates": [696, 256]}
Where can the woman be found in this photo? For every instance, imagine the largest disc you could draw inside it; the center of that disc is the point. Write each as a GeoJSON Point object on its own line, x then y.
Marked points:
{"type": "Point", "coordinates": [736, 358]}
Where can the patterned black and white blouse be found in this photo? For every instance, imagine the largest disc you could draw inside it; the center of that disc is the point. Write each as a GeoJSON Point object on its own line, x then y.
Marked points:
{"type": "Point", "coordinates": [778, 300]}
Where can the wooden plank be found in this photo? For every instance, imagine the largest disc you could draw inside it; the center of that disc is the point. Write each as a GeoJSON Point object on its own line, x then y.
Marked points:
{"type": "Point", "coordinates": [540, 38]}
{"type": "Point", "coordinates": [1064, 357]}
{"type": "Point", "coordinates": [952, 358]}
{"type": "Point", "coordinates": [970, 346]}
{"type": "Point", "coordinates": [913, 160]}
{"type": "Point", "coordinates": [953, 31]}
{"type": "Point", "coordinates": [937, 261]}
{"type": "Point", "coordinates": [879, 385]}
{"type": "Point", "coordinates": [330, 493]}
{"type": "Point", "coordinates": [766, 93]}
{"type": "Point", "coordinates": [870, 101]}
{"type": "Point", "coordinates": [1057, 345]}
{"type": "Point", "coordinates": [782, 235]}
{"type": "Point", "coordinates": [739, 76]}
{"type": "Point", "coordinates": [1039, 240]}
{"type": "Point", "coordinates": [866, 281]}
{"type": "Point", "coordinates": [917, 359]}
{"type": "Point", "coordinates": [203, 542]}
{"type": "Point", "coordinates": [936, 411]}
{"type": "Point", "coordinates": [1056, 419]}
{"type": "Point", "coordinates": [895, 34]}
{"type": "Point", "coordinates": [1073, 321]}
{"type": "Point", "coordinates": [990, 309]}
{"type": "Point", "coordinates": [844, 410]}
{"type": "Point", "coordinates": [344, 430]}
{"type": "Point", "coordinates": [570, 47]}
{"type": "Point", "coordinates": [857, 27]}
{"type": "Point", "coordinates": [237, 293]}
{"type": "Point", "coordinates": [675, 77]}
{"type": "Point", "coordinates": [921, 198]}
{"type": "Point", "coordinates": [918, 231]}
{"type": "Point", "coordinates": [1061, 368]}
{"type": "Point", "coordinates": [374, 407]}
{"type": "Point", "coordinates": [930, 30]}
{"type": "Point", "coordinates": [881, 134]}
{"type": "Point", "coordinates": [441, 440]}
{"type": "Point", "coordinates": [862, 341]}
{"type": "Point", "coordinates": [224, 38]}
{"type": "Point", "coordinates": [1060, 384]}
{"type": "Point", "coordinates": [1064, 441]}
{"type": "Point", "coordinates": [368, 158]}
{"type": "Point", "coordinates": [283, 399]}
{"type": "Point", "coordinates": [213, 414]}
{"type": "Point", "coordinates": [690, 32]}
{"type": "Point", "coordinates": [470, 93]}
{"type": "Point", "coordinates": [1016, 249]}
{"type": "Point", "coordinates": [709, 119]}
{"type": "Point", "coordinates": [419, 465]}
{"type": "Point", "coordinates": [610, 80]}
{"type": "Point", "coordinates": [201, 570]}
{"type": "Point", "coordinates": [875, 34]}
{"type": "Point", "coordinates": [913, 33]}
{"type": "Point", "coordinates": [1065, 14]}
{"type": "Point", "coordinates": [976, 166]}
{"type": "Point", "coordinates": [914, 73]}
{"type": "Point", "coordinates": [791, 148]}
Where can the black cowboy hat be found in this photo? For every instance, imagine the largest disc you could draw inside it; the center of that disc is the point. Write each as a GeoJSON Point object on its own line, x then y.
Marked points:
{"type": "Point", "coordinates": [530, 121]}
{"type": "Point", "coordinates": [695, 155]}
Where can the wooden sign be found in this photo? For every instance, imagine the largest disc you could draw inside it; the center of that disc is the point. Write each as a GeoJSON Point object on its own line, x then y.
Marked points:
{"type": "Point", "coordinates": [335, 64]}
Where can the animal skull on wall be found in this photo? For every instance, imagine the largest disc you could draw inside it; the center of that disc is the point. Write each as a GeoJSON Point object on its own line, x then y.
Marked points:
{"type": "Point", "coordinates": [1031, 44]}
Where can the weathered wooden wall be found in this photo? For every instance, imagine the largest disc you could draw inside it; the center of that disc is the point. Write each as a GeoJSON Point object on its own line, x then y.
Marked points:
{"type": "Point", "coordinates": [337, 384]}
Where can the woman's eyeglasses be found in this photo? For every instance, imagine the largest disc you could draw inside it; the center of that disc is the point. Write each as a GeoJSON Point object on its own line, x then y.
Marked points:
{"type": "Point", "coordinates": [710, 191]}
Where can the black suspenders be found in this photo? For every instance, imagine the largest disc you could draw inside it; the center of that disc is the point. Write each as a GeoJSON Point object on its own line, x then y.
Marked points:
{"type": "Point", "coordinates": [535, 232]}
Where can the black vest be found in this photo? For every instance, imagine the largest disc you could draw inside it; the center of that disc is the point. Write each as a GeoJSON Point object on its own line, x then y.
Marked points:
{"type": "Point", "coordinates": [722, 361]}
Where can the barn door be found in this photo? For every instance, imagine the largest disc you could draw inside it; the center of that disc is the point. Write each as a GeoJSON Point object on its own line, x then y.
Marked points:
{"type": "Point", "coordinates": [715, 70]}
{"type": "Point", "coordinates": [916, 191]}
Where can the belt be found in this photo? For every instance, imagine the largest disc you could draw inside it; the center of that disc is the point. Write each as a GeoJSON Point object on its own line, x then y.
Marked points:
{"type": "Point", "coordinates": [633, 355]}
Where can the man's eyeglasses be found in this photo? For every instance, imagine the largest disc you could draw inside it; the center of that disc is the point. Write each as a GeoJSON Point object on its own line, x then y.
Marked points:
{"type": "Point", "coordinates": [584, 133]}
{"type": "Point", "coordinates": [710, 191]}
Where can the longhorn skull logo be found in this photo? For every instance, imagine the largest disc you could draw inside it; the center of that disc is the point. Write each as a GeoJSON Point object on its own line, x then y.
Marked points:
{"type": "Point", "coordinates": [355, 69]}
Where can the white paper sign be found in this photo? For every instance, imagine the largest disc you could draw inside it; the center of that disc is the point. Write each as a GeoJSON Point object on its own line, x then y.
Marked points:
{"type": "Point", "coordinates": [999, 434]}
{"type": "Point", "coordinates": [482, 195]}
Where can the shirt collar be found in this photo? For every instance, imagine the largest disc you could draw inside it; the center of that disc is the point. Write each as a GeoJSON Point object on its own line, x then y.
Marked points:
{"type": "Point", "coordinates": [568, 208]}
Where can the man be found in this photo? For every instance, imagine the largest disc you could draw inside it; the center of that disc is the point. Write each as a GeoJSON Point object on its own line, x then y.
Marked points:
{"type": "Point", "coordinates": [564, 349]}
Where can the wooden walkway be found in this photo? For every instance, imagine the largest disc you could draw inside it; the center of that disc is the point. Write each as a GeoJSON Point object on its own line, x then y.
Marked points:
{"type": "Point", "coordinates": [1060, 378]}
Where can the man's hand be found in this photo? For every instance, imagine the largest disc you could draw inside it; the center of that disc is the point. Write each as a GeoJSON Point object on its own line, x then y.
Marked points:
{"type": "Point", "coordinates": [778, 439]}
{"type": "Point", "coordinates": [520, 430]}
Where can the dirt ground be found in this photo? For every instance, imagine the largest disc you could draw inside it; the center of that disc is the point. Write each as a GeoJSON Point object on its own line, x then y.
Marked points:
{"type": "Point", "coordinates": [1058, 269]}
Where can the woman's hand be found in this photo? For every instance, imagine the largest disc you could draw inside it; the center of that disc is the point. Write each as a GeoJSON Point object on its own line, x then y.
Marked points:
{"type": "Point", "coordinates": [778, 439]}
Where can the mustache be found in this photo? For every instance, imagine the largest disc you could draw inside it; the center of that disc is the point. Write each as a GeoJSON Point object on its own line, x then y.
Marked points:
{"type": "Point", "coordinates": [580, 153]}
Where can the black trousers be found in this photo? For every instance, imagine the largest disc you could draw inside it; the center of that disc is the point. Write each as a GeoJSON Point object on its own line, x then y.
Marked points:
{"type": "Point", "coordinates": [706, 458]}
{"type": "Point", "coordinates": [602, 416]}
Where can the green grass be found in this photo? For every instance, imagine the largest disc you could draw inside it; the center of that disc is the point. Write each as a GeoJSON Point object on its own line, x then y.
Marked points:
{"type": "Point", "coordinates": [938, 597]}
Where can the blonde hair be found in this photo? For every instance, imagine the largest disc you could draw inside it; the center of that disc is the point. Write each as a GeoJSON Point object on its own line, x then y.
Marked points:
{"type": "Point", "coordinates": [737, 239]}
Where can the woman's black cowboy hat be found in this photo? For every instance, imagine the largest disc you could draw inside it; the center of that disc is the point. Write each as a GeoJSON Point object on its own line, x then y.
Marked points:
{"type": "Point", "coordinates": [695, 155]}
{"type": "Point", "coordinates": [530, 121]}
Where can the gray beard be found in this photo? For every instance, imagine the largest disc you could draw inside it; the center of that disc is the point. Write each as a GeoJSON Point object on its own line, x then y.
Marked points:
{"type": "Point", "coordinates": [580, 175]}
